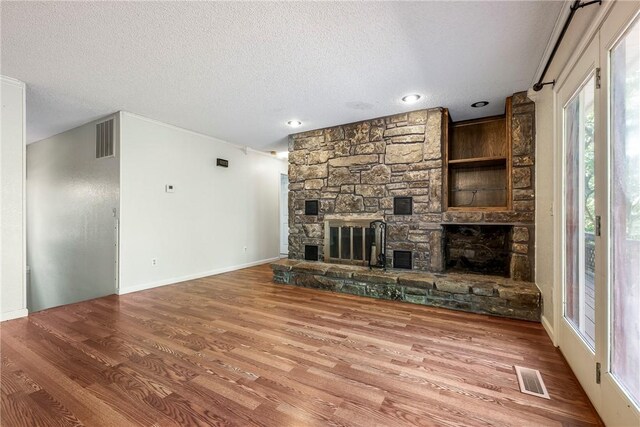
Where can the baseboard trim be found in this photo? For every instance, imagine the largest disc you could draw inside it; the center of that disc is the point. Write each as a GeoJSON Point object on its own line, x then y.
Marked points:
{"type": "Point", "coordinates": [174, 280]}
{"type": "Point", "coordinates": [547, 327]}
{"type": "Point", "coordinates": [15, 314]}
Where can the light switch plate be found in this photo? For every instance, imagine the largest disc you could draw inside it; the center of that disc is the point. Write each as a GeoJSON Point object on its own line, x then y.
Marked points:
{"type": "Point", "coordinates": [169, 188]}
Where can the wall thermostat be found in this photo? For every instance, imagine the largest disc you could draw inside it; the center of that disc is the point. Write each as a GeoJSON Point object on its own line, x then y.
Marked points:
{"type": "Point", "coordinates": [222, 162]}
{"type": "Point", "coordinates": [169, 188]}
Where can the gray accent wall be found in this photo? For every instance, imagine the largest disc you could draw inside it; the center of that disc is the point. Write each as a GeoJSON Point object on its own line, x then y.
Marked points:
{"type": "Point", "coordinates": [71, 229]}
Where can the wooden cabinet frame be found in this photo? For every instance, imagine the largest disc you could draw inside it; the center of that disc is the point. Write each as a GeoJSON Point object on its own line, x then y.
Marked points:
{"type": "Point", "coordinates": [453, 164]}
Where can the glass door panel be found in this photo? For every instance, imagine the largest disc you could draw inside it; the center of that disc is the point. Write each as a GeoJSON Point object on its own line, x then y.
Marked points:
{"type": "Point", "coordinates": [579, 307]}
{"type": "Point", "coordinates": [625, 211]}
{"type": "Point", "coordinates": [345, 243]}
{"type": "Point", "coordinates": [358, 242]}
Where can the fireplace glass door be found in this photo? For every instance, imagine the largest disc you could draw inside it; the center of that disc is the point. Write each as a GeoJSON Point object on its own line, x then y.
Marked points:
{"type": "Point", "coordinates": [348, 242]}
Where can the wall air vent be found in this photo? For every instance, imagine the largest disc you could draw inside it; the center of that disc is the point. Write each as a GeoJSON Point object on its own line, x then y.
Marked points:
{"type": "Point", "coordinates": [310, 253]}
{"type": "Point", "coordinates": [402, 205]}
{"type": "Point", "coordinates": [402, 259]}
{"type": "Point", "coordinates": [105, 137]}
{"type": "Point", "coordinates": [311, 207]}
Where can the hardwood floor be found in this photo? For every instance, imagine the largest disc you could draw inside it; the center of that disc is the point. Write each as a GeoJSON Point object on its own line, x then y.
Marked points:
{"type": "Point", "coordinates": [235, 349]}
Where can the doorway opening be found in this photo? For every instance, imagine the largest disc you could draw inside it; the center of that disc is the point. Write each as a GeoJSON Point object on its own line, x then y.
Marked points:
{"type": "Point", "coordinates": [284, 215]}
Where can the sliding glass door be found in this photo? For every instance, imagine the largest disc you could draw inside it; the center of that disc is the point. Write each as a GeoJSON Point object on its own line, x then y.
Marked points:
{"type": "Point", "coordinates": [581, 196]}
{"type": "Point", "coordinates": [599, 126]}
{"type": "Point", "coordinates": [625, 210]}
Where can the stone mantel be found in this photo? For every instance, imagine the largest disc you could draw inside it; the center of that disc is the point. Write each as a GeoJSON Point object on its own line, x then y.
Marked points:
{"type": "Point", "coordinates": [352, 217]}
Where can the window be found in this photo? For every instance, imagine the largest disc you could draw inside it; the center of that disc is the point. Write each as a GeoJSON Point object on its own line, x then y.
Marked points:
{"type": "Point", "coordinates": [580, 211]}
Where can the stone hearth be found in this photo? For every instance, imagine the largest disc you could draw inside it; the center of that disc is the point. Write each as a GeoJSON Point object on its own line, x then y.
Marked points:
{"type": "Point", "coordinates": [472, 293]}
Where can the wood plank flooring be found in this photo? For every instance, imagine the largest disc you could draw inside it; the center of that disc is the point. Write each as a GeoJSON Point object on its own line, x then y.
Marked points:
{"type": "Point", "coordinates": [235, 349]}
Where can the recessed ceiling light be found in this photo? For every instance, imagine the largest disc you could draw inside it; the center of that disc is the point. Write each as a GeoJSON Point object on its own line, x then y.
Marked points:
{"type": "Point", "coordinates": [410, 99]}
{"type": "Point", "coordinates": [480, 104]}
{"type": "Point", "coordinates": [294, 123]}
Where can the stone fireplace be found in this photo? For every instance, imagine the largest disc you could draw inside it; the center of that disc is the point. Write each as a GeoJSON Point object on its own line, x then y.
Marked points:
{"type": "Point", "coordinates": [458, 207]}
{"type": "Point", "coordinates": [372, 170]}
{"type": "Point", "coordinates": [392, 169]}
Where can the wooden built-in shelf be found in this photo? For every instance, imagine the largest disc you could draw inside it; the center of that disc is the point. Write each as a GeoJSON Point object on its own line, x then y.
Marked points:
{"type": "Point", "coordinates": [478, 164]}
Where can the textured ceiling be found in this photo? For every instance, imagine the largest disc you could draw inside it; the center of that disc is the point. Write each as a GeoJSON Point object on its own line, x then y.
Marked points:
{"type": "Point", "coordinates": [239, 71]}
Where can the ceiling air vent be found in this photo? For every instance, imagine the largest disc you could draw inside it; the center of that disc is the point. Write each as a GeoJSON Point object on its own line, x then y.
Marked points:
{"type": "Point", "coordinates": [530, 382]}
{"type": "Point", "coordinates": [105, 139]}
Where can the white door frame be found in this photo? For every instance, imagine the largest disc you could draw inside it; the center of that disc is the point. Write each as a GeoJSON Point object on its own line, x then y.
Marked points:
{"type": "Point", "coordinates": [580, 356]}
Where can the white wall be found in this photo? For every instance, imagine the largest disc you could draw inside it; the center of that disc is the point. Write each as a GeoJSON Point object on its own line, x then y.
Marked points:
{"type": "Point", "coordinates": [12, 157]}
{"type": "Point", "coordinates": [215, 213]}
{"type": "Point", "coordinates": [70, 224]}
{"type": "Point", "coordinates": [545, 158]}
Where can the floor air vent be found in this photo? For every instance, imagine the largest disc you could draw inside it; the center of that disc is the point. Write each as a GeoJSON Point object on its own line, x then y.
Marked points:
{"type": "Point", "coordinates": [531, 382]}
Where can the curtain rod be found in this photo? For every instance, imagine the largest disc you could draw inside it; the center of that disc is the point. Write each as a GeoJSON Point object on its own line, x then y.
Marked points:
{"type": "Point", "coordinates": [577, 4]}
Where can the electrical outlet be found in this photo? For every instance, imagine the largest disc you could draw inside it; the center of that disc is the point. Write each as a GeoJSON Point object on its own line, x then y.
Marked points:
{"type": "Point", "coordinates": [245, 249]}
{"type": "Point", "coordinates": [154, 261]}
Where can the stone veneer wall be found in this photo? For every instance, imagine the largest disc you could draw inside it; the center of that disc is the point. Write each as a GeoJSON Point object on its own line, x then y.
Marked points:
{"type": "Point", "coordinates": [357, 169]}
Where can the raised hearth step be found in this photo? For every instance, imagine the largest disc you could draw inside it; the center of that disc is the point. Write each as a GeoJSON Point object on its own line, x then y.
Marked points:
{"type": "Point", "coordinates": [467, 292]}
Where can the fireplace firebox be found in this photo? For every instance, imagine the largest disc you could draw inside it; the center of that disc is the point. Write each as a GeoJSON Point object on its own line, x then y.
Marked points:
{"type": "Point", "coordinates": [480, 249]}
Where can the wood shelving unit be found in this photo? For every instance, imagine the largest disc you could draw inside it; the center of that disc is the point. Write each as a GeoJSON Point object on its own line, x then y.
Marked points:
{"type": "Point", "coordinates": [478, 164]}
